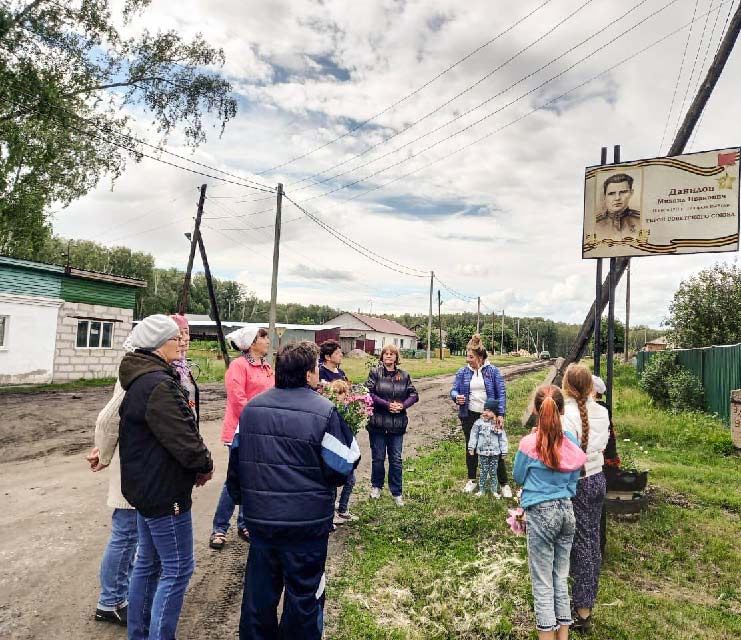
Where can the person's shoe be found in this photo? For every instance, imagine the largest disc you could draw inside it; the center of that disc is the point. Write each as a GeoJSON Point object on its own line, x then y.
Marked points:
{"type": "Point", "coordinates": [479, 494]}
{"type": "Point", "coordinates": [585, 626]}
{"type": "Point", "coordinates": [118, 616]}
{"type": "Point", "coordinates": [506, 491]}
{"type": "Point", "coordinates": [399, 501]}
{"type": "Point", "coordinates": [345, 516]}
{"type": "Point", "coordinates": [470, 486]}
{"type": "Point", "coordinates": [496, 496]}
{"type": "Point", "coordinates": [217, 540]}
{"type": "Point", "coordinates": [375, 493]}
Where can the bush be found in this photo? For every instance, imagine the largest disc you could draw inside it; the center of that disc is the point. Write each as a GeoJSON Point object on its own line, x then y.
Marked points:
{"type": "Point", "coordinates": [686, 392]}
{"type": "Point", "coordinates": [656, 375]}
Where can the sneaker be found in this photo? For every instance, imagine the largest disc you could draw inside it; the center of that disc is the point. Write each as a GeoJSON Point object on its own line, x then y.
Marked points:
{"type": "Point", "coordinates": [375, 493]}
{"type": "Point", "coordinates": [118, 616]}
{"type": "Point", "coordinates": [345, 517]}
{"type": "Point", "coordinates": [399, 501]}
{"type": "Point", "coordinates": [582, 625]}
{"type": "Point", "coordinates": [496, 495]}
{"type": "Point", "coordinates": [506, 491]}
{"type": "Point", "coordinates": [479, 494]}
{"type": "Point", "coordinates": [470, 486]}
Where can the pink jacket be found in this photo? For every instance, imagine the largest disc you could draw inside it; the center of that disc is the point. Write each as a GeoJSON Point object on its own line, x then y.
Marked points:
{"type": "Point", "coordinates": [243, 381]}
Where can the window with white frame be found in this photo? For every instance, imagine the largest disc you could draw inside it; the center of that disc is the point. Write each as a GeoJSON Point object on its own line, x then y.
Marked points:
{"type": "Point", "coordinates": [95, 334]}
{"type": "Point", "coordinates": [396, 342]}
{"type": "Point", "coordinates": [4, 331]}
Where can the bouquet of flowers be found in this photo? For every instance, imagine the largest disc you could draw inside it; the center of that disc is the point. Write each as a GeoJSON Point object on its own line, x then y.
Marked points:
{"type": "Point", "coordinates": [357, 407]}
{"type": "Point", "coordinates": [516, 519]}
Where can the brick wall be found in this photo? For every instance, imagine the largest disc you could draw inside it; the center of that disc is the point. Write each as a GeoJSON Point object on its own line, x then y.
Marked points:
{"type": "Point", "coordinates": [72, 362]}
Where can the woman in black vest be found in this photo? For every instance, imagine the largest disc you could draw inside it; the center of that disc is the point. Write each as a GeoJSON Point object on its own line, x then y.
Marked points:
{"type": "Point", "coordinates": [393, 393]}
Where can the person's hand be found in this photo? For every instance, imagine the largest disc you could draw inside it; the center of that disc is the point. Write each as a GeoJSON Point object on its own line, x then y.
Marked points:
{"type": "Point", "coordinates": [461, 400]}
{"type": "Point", "coordinates": [395, 407]}
{"type": "Point", "coordinates": [500, 421]}
{"type": "Point", "coordinates": [203, 478]}
{"type": "Point", "coordinates": [470, 452]}
{"type": "Point", "coordinates": [93, 459]}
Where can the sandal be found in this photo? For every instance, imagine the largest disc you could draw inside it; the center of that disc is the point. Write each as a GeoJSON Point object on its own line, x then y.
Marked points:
{"type": "Point", "coordinates": [217, 540]}
{"type": "Point", "coordinates": [244, 534]}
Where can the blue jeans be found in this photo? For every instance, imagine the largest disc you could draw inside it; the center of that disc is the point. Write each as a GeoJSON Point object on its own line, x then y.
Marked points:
{"type": "Point", "coordinates": [161, 574]}
{"type": "Point", "coordinates": [224, 512]}
{"type": "Point", "coordinates": [488, 466]}
{"type": "Point", "coordinates": [381, 443]}
{"type": "Point", "coordinates": [550, 532]}
{"type": "Point", "coordinates": [345, 494]}
{"type": "Point", "coordinates": [118, 560]}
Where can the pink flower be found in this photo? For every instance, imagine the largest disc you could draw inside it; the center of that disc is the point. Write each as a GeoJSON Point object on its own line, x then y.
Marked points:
{"type": "Point", "coordinates": [516, 521]}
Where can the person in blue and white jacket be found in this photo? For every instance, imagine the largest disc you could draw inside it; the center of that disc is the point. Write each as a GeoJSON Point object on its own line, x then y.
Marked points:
{"type": "Point", "coordinates": [474, 384]}
{"type": "Point", "coordinates": [489, 441]}
{"type": "Point", "coordinates": [292, 452]}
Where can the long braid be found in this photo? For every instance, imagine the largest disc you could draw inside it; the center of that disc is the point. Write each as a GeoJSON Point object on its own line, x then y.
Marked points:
{"type": "Point", "coordinates": [577, 383]}
{"type": "Point", "coordinates": [582, 404]}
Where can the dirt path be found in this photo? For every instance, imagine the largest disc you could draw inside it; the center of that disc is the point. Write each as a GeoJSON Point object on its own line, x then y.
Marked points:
{"type": "Point", "coordinates": [55, 524]}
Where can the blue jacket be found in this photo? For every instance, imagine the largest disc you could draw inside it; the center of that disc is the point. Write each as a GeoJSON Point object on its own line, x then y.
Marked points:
{"type": "Point", "coordinates": [540, 483]}
{"type": "Point", "coordinates": [293, 450]}
{"type": "Point", "coordinates": [493, 382]}
{"type": "Point", "coordinates": [486, 440]}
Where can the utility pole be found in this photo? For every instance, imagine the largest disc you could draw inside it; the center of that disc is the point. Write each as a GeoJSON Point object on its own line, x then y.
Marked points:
{"type": "Point", "coordinates": [680, 141]}
{"type": "Point", "coordinates": [518, 335]}
{"type": "Point", "coordinates": [478, 314]}
{"type": "Point", "coordinates": [274, 282]}
{"type": "Point", "coordinates": [493, 339]}
{"type": "Point", "coordinates": [212, 299]}
{"type": "Point", "coordinates": [501, 346]}
{"type": "Point", "coordinates": [440, 322]}
{"type": "Point", "coordinates": [627, 315]}
{"type": "Point", "coordinates": [429, 318]}
{"type": "Point", "coordinates": [183, 303]}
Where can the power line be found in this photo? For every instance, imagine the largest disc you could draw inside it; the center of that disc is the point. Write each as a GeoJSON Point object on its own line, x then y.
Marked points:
{"type": "Point", "coordinates": [444, 104]}
{"type": "Point", "coordinates": [407, 96]}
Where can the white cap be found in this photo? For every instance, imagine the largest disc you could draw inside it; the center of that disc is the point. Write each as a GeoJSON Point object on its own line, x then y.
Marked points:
{"type": "Point", "coordinates": [599, 384]}
{"type": "Point", "coordinates": [242, 338]}
{"type": "Point", "coordinates": [152, 332]}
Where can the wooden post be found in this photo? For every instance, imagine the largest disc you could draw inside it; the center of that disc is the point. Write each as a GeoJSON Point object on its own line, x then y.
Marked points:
{"type": "Point", "coordinates": [478, 314]}
{"type": "Point", "coordinates": [183, 303]}
{"type": "Point", "coordinates": [274, 281]}
{"type": "Point", "coordinates": [626, 357]}
{"type": "Point", "coordinates": [429, 319]}
{"type": "Point", "coordinates": [440, 322]}
{"type": "Point", "coordinates": [598, 296]}
{"type": "Point", "coordinates": [501, 344]}
{"type": "Point", "coordinates": [214, 304]}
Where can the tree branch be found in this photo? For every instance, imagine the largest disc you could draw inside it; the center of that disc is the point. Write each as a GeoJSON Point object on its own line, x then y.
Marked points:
{"type": "Point", "coordinates": [19, 17]}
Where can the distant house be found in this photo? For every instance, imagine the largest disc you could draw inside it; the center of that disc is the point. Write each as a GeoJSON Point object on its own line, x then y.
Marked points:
{"type": "Point", "coordinates": [60, 323]}
{"type": "Point", "coordinates": [203, 328]}
{"type": "Point", "coordinates": [369, 333]}
{"type": "Point", "coordinates": [657, 344]}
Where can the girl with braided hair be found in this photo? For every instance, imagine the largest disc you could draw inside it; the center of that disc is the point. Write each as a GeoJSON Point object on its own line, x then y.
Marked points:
{"type": "Point", "coordinates": [590, 424]}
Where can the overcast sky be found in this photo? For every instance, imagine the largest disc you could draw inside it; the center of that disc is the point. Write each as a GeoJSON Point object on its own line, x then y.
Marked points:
{"type": "Point", "coordinates": [501, 218]}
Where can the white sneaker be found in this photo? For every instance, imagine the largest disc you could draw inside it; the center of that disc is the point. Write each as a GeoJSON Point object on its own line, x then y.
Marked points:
{"type": "Point", "coordinates": [470, 486]}
{"type": "Point", "coordinates": [399, 501]}
{"type": "Point", "coordinates": [375, 493]}
{"type": "Point", "coordinates": [506, 491]}
{"type": "Point", "coordinates": [479, 494]}
{"type": "Point", "coordinates": [496, 496]}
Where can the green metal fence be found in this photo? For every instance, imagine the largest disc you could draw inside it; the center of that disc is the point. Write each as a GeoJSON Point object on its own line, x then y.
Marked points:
{"type": "Point", "coordinates": [719, 368]}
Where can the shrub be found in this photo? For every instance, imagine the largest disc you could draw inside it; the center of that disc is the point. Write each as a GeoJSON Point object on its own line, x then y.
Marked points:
{"type": "Point", "coordinates": [686, 392]}
{"type": "Point", "coordinates": [655, 378]}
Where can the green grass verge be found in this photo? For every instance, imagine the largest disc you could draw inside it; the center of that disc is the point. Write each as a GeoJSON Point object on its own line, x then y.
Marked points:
{"type": "Point", "coordinates": [61, 386]}
{"type": "Point", "coordinates": [447, 566]}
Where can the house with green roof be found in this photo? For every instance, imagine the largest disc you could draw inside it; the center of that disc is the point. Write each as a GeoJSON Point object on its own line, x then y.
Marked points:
{"type": "Point", "coordinates": [61, 323]}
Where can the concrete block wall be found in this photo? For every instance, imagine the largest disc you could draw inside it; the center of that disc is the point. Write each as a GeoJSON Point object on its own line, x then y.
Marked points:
{"type": "Point", "coordinates": [75, 363]}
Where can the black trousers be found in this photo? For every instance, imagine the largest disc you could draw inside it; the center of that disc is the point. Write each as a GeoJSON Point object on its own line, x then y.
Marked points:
{"type": "Point", "coordinates": [472, 461]}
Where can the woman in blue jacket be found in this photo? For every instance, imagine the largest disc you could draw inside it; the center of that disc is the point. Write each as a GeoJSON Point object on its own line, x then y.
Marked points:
{"type": "Point", "coordinates": [474, 384]}
{"type": "Point", "coordinates": [547, 466]}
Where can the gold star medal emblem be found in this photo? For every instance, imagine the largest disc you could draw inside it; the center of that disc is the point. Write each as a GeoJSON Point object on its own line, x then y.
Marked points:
{"type": "Point", "coordinates": [725, 181]}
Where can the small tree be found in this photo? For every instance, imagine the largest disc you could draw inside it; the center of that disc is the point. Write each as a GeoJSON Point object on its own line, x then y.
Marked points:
{"type": "Point", "coordinates": [655, 378]}
{"type": "Point", "coordinates": [705, 308]}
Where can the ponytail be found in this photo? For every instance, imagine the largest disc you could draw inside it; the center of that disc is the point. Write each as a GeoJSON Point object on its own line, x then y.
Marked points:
{"type": "Point", "coordinates": [549, 406]}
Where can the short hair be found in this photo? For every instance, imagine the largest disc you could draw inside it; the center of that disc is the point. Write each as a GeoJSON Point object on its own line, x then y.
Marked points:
{"type": "Point", "coordinates": [391, 349]}
{"type": "Point", "coordinates": [327, 348]}
{"type": "Point", "coordinates": [618, 177]}
{"type": "Point", "coordinates": [293, 362]}
{"type": "Point", "coordinates": [339, 386]}
{"type": "Point", "coordinates": [261, 333]}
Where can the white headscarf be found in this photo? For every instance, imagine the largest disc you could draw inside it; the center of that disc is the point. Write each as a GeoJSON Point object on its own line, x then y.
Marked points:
{"type": "Point", "coordinates": [151, 333]}
{"type": "Point", "coordinates": [242, 338]}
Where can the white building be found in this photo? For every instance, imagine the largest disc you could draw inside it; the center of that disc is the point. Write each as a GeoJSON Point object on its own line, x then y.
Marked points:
{"type": "Point", "coordinates": [358, 331]}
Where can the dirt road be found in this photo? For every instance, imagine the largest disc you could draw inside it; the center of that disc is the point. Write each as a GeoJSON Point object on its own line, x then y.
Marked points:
{"type": "Point", "coordinates": [55, 524]}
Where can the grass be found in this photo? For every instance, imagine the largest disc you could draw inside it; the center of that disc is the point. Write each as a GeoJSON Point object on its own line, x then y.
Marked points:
{"type": "Point", "coordinates": [60, 386]}
{"type": "Point", "coordinates": [447, 566]}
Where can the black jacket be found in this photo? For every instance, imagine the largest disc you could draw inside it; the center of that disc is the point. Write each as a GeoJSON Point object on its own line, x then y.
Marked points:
{"type": "Point", "coordinates": [385, 386]}
{"type": "Point", "coordinates": [160, 448]}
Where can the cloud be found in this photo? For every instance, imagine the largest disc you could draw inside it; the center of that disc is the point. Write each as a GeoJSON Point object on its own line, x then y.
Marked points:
{"type": "Point", "coordinates": [313, 273]}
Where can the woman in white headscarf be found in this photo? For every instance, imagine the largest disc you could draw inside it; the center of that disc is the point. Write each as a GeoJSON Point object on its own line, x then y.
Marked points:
{"type": "Point", "coordinates": [247, 376]}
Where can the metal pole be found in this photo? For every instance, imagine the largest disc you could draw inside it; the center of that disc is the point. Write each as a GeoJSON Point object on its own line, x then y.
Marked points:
{"type": "Point", "coordinates": [598, 296]}
{"type": "Point", "coordinates": [440, 322]}
{"type": "Point", "coordinates": [611, 333]}
{"type": "Point", "coordinates": [274, 282]}
{"type": "Point", "coordinates": [627, 315]}
{"type": "Point", "coordinates": [183, 303]}
{"type": "Point", "coordinates": [429, 319]}
{"type": "Point", "coordinates": [214, 304]}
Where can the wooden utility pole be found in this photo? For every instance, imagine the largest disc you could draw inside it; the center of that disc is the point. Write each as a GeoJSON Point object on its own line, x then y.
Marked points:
{"type": "Point", "coordinates": [493, 339]}
{"type": "Point", "coordinates": [429, 318]}
{"type": "Point", "coordinates": [214, 304]}
{"type": "Point", "coordinates": [183, 303]}
{"type": "Point", "coordinates": [680, 141]}
{"type": "Point", "coordinates": [478, 314]}
{"type": "Point", "coordinates": [501, 345]}
{"type": "Point", "coordinates": [627, 315]}
{"type": "Point", "coordinates": [518, 335]}
{"type": "Point", "coordinates": [274, 282]}
{"type": "Point", "coordinates": [440, 322]}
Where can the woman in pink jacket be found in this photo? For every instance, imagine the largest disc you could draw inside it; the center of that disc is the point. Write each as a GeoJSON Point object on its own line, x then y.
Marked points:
{"type": "Point", "coordinates": [248, 375]}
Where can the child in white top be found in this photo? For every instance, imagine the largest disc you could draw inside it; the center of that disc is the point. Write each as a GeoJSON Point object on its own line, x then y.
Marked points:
{"type": "Point", "coordinates": [489, 441]}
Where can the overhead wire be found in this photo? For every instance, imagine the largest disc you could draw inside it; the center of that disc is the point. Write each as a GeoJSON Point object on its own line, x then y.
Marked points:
{"type": "Point", "coordinates": [412, 93]}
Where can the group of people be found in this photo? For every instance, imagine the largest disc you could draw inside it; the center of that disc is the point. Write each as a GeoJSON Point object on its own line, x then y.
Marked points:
{"type": "Point", "coordinates": [289, 452]}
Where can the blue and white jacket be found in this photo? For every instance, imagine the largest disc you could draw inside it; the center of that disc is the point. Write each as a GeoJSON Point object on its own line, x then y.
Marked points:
{"type": "Point", "coordinates": [539, 482]}
{"type": "Point", "coordinates": [485, 439]}
{"type": "Point", "coordinates": [293, 450]}
{"type": "Point", "coordinates": [493, 382]}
